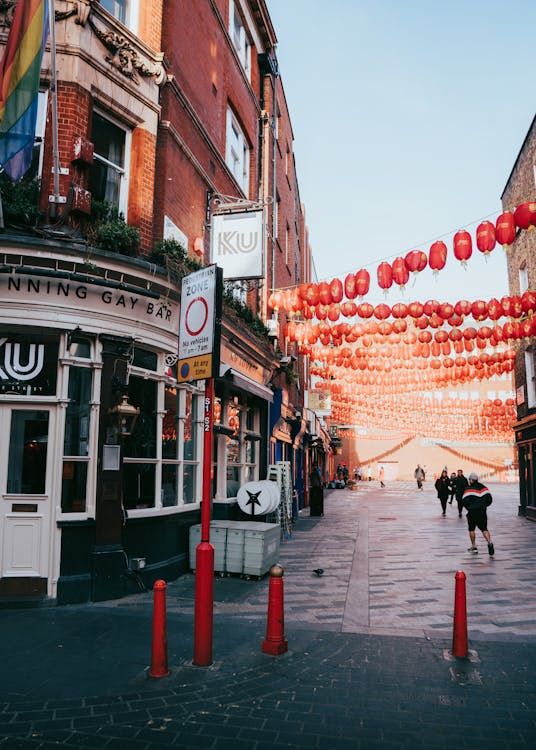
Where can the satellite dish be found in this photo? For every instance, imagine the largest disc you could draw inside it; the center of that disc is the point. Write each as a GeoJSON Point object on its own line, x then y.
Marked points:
{"type": "Point", "coordinates": [258, 498]}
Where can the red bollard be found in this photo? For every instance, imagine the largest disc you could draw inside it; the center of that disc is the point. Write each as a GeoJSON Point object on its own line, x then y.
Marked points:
{"type": "Point", "coordinates": [459, 633]}
{"type": "Point", "coordinates": [275, 642]}
{"type": "Point", "coordinates": [159, 665]}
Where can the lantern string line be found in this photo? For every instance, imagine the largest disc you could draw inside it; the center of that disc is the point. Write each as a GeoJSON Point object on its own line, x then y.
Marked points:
{"type": "Point", "coordinates": [395, 254]}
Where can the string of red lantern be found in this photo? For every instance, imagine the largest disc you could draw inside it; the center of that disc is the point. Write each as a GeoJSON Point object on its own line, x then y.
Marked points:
{"type": "Point", "coordinates": [358, 284]}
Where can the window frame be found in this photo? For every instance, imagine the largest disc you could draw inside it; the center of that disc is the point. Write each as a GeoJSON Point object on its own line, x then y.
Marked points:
{"type": "Point", "coordinates": [132, 12]}
{"type": "Point", "coordinates": [239, 38]}
{"type": "Point", "coordinates": [123, 171]}
{"type": "Point", "coordinates": [530, 376]}
{"type": "Point", "coordinates": [237, 151]}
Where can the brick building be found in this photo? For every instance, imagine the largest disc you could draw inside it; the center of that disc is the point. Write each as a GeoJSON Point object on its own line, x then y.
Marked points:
{"type": "Point", "coordinates": [165, 119]}
{"type": "Point", "coordinates": [521, 264]}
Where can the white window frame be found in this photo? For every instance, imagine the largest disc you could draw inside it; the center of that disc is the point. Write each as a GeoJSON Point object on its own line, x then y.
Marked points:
{"type": "Point", "coordinates": [123, 171]}
{"type": "Point", "coordinates": [239, 38]}
{"type": "Point", "coordinates": [237, 152]}
{"type": "Point", "coordinates": [132, 14]}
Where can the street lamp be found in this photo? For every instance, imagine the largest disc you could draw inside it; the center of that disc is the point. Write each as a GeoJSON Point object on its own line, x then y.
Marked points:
{"type": "Point", "coordinates": [124, 416]}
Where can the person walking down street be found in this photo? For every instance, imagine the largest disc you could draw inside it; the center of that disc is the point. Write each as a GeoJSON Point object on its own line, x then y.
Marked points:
{"type": "Point", "coordinates": [419, 476]}
{"type": "Point", "coordinates": [452, 487]}
{"type": "Point", "coordinates": [381, 476]}
{"type": "Point", "coordinates": [477, 498]}
{"type": "Point", "coordinates": [442, 485]}
{"type": "Point", "coordinates": [461, 485]}
{"type": "Point", "coordinates": [369, 474]}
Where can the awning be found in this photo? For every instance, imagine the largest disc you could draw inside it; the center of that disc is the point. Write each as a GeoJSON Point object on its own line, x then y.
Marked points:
{"type": "Point", "coordinates": [246, 384]}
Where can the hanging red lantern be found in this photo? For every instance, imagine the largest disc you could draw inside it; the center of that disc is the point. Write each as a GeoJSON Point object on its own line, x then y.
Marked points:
{"type": "Point", "coordinates": [484, 332]}
{"type": "Point", "coordinates": [321, 312]}
{"type": "Point", "coordinates": [455, 334]}
{"type": "Point", "coordinates": [336, 290]}
{"type": "Point", "coordinates": [365, 310]}
{"type": "Point", "coordinates": [469, 333]}
{"type": "Point", "coordinates": [421, 322]}
{"type": "Point", "coordinates": [362, 282]}
{"type": "Point", "coordinates": [334, 312]}
{"type": "Point", "coordinates": [528, 302]}
{"type": "Point", "coordinates": [400, 272]}
{"type": "Point", "coordinates": [275, 301]}
{"type": "Point", "coordinates": [307, 312]}
{"type": "Point", "coordinates": [505, 229]}
{"type": "Point", "coordinates": [416, 261]}
{"type": "Point", "coordinates": [441, 336]}
{"type": "Point", "coordinates": [438, 256]}
{"type": "Point", "coordinates": [512, 306]}
{"type": "Point", "coordinates": [399, 310]}
{"type": "Point", "coordinates": [303, 290]}
{"type": "Point", "coordinates": [525, 215]}
{"type": "Point", "coordinates": [350, 289]}
{"type": "Point", "coordinates": [424, 337]}
{"type": "Point", "coordinates": [463, 246]}
{"type": "Point", "coordinates": [479, 310]}
{"type": "Point", "coordinates": [324, 293]}
{"type": "Point", "coordinates": [399, 325]}
{"type": "Point", "coordinates": [455, 320]}
{"type": "Point", "coordinates": [430, 307]}
{"type": "Point", "coordinates": [385, 275]}
{"type": "Point", "coordinates": [462, 307]}
{"type": "Point", "coordinates": [495, 310]}
{"type": "Point", "coordinates": [349, 309]}
{"type": "Point", "coordinates": [385, 328]}
{"type": "Point", "coordinates": [485, 237]}
{"type": "Point", "coordinates": [445, 310]}
{"type": "Point", "coordinates": [415, 309]}
{"type": "Point", "coordinates": [382, 311]}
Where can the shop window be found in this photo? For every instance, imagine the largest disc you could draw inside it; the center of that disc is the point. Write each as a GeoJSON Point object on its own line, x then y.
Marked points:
{"type": "Point", "coordinates": [107, 177]}
{"type": "Point", "coordinates": [142, 442]}
{"type": "Point", "coordinates": [530, 372]}
{"type": "Point", "coordinates": [145, 359]}
{"type": "Point", "coordinates": [76, 441]}
{"type": "Point", "coordinates": [180, 436]}
{"type": "Point", "coordinates": [28, 443]}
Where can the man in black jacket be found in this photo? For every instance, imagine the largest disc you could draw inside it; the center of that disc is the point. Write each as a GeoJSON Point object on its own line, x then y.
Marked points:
{"type": "Point", "coordinates": [476, 499]}
{"type": "Point", "coordinates": [461, 485]}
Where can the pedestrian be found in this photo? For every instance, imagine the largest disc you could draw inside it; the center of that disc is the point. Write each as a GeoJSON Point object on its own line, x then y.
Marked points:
{"type": "Point", "coordinates": [316, 494]}
{"type": "Point", "coordinates": [477, 498]}
{"type": "Point", "coordinates": [369, 474]}
{"type": "Point", "coordinates": [461, 486]}
{"type": "Point", "coordinates": [442, 485]}
{"type": "Point", "coordinates": [452, 487]}
{"type": "Point", "coordinates": [381, 476]}
{"type": "Point", "coordinates": [419, 476]}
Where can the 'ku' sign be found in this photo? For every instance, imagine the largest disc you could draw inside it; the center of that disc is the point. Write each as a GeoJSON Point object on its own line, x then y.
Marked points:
{"type": "Point", "coordinates": [237, 242]}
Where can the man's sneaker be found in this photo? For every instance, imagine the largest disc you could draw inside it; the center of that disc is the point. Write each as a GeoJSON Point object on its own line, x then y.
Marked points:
{"type": "Point", "coordinates": [473, 549]}
{"type": "Point", "coordinates": [491, 549]}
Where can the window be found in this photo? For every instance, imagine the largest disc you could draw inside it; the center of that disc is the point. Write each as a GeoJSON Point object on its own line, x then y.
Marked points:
{"type": "Point", "coordinates": [237, 152]}
{"type": "Point", "coordinates": [107, 178]}
{"type": "Point", "coordinates": [523, 279]}
{"type": "Point", "coordinates": [180, 447]}
{"type": "Point", "coordinates": [76, 441]}
{"type": "Point", "coordinates": [28, 444]}
{"type": "Point", "coordinates": [126, 11]}
{"type": "Point", "coordinates": [530, 373]}
{"type": "Point", "coordinates": [239, 38]}
{"type": "Point", "coordinates": [287, 245]}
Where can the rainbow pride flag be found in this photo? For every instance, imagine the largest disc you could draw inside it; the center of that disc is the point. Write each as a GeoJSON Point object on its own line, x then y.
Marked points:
{"type": "Point", "coordinates": [19, 85]}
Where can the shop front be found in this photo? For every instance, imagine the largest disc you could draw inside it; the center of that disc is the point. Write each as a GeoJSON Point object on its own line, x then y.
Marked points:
{"type": "Point", "coordinates": [100, 457]}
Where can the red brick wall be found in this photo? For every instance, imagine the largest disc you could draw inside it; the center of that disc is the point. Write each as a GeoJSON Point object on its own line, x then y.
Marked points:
{"type": "Point", "coordinates": [141, 185]}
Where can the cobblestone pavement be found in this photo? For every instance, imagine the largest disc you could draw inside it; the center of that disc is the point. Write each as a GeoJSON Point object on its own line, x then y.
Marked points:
{"type": "Point", "coordinates": [368, 665]}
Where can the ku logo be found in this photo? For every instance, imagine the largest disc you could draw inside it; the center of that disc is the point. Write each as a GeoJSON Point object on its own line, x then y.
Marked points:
{"type": "Point", "coordinates": [233, 243]}
{"type": "Point", "coordinates": [11, 366]}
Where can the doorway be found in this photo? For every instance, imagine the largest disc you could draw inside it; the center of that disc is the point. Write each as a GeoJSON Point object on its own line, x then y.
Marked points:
{"type": "Point", "coordinates": [25, 498]}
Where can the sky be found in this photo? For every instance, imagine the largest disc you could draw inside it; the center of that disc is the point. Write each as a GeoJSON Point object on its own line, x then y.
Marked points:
{"type": "Point", "coordinates": [408, 116]}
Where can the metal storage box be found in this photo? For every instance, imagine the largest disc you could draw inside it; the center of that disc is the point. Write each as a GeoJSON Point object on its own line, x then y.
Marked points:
{"type": "Point", "coordinates": [261, 547]}
{"type": "Point", "coordinates": [235, 548]}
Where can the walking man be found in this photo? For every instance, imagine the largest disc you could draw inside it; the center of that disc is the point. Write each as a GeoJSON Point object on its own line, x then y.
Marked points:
{"type": "Point", "coordinates": [477, 498]}
{"type": "Point", "coordinates": [381, 476]}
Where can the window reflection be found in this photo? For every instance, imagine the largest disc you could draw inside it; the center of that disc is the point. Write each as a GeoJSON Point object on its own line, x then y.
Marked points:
{"type": "Point", "coordinates": [28, 444]}
{"type": "Point", "coordinates": [77, 413]}
{"type": "Point", "coordinates": [73, 487]}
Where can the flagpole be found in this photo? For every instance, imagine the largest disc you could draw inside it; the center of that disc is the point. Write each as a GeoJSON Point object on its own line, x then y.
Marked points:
{"type": "Point", "coordinates": [56, 198]}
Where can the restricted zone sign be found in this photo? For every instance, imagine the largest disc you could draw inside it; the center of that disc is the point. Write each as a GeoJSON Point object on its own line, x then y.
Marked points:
{"type": "Point", "coordinates": [199, 324]}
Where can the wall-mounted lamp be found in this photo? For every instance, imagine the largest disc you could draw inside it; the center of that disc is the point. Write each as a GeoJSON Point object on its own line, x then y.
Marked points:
{"type": "Point", "coordinates": [124, 416]}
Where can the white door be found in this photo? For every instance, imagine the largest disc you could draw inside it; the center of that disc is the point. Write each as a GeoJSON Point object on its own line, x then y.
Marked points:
{"type": "Point", "coordinates": [25, 476]}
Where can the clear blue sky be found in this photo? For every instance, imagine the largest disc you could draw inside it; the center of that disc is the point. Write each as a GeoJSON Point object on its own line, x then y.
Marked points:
{"type": "Point", "coordinates": [408, 117]}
